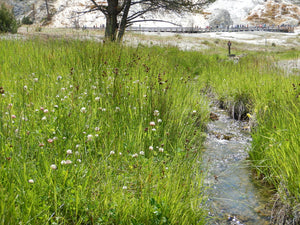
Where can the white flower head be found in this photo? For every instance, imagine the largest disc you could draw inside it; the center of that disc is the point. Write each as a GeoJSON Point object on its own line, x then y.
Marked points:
{"type": "Point", "coordinates": [151, 148]}
{"type": "Point", "coordinates": [152, 123]}
{"type": "Point", "coordinates": [97, 99]}
{"type": "Point", "coordinates": [69, 152]}
{"type": "Point", "coordinates": [161, 150]}
{"type": "Point", "coordinates": [83, 110]}
{"type": "Point", "coordinates": [112, 152]}
{"type": "Point", "coordinates": [25, 87]}
{"type": "Point", "coordinates": [142, 153]}
{"type": "Point", "coordinates": [156, 113]}
{"type": "Point", "coordinates": [90, 137]}
{"type": "Point", "coordinates": [135, 155]}
{"type": "Point", "coordinates": [159, 120]}
{"type": "Point", "coordinates": [68, 161]}
{"type": "Point", "coordinates": [53, 166]}
{"type": "Point", "coordinates": [63, 162]}
{"type": "Point", "coordinates": [30, 181]}
{"type": "Point", "coordinates": [124, 187]}
{"type": "Point", "coordinates": [44, 118]}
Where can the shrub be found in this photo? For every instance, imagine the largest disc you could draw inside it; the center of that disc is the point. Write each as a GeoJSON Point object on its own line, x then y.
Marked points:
{"type": "Point", "coordinates": [8, 22]}
{"type": "Point", "coordinates": [27, 20]}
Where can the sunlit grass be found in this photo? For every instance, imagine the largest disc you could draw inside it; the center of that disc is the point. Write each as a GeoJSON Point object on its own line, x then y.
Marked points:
{"type": "Point", "coordinates": [95, 133]}
{"type": "Point", "coordinates": [98, 134]}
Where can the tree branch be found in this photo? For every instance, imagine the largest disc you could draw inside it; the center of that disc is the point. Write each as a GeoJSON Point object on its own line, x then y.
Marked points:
{"type": "Point", "coordinates": [101, 8]}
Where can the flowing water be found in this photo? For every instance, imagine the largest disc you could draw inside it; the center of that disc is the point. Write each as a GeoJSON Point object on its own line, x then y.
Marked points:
{"type": "Point", "coordinates": [235, 198]}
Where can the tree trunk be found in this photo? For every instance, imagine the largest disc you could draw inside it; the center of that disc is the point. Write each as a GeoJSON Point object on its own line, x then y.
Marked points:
{"type": "Point", "coordinates": [111, 20]}
{"type": "Point", "coordinates": [47, 8]}
{"type": "Point", "coordinates": [124, 20]}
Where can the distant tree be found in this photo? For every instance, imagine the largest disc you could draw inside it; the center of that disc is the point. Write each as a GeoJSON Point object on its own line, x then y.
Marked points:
{"type": "Point", "coordinates": [8, 22]}
{"type": "Point", "coordinates": [50, 10]}
{"type": "Point", "coordinates": [120, 14]}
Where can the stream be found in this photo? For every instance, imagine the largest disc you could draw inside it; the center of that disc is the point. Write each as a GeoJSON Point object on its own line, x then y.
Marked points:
{"type": "Point", "coordinates": [234, 196]}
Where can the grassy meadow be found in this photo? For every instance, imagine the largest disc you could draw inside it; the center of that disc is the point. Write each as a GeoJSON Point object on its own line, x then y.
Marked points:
{"type": "Point", "coordinates": [94, 133]}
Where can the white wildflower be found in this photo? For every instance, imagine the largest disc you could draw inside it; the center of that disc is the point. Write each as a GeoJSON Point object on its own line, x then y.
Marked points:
{"type": "Point", "coordinates": [69, 152]}
{"type": "Point", "coordinates": [90, 137]}
{"type": "Point", "coordinates": [152, 123]}
{"type": "Point", "coordinates": [112, 152]}
{"type": "Point", "coordinates": [156, 113]}
{"type": "Point", "coordinates": [53, 166]}
{"type": "Point", "coordinates": [83, 110]}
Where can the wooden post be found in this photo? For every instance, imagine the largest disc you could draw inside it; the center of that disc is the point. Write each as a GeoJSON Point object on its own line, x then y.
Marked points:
{"type": "Point", "coordinates": [229, 45]}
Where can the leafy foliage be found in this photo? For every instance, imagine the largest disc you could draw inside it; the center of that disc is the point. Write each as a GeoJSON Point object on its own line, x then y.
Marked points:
{"type": "Point", "coordinates": [27, 20]}
{"type": "Point", "coordinates": [8, 22]}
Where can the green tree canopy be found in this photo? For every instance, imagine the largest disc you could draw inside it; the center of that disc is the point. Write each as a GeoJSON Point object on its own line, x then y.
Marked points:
{"type": "Point", "coordinates": [8, 22]}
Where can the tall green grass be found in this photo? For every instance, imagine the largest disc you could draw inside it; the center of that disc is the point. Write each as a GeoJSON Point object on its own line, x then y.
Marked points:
{"type": "Point", "coordinates": [98, 134]}
{"type": "Point", "coordinates": [133, 119]}
{"type": "Point", "coordinates": [272, 99]}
